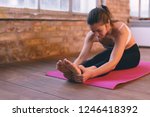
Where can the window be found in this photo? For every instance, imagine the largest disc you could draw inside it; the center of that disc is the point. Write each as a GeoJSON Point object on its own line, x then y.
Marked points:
{"type": "Point", "coordinates": [140, 8]}
{"type": "Point", "coordinates": [57, 5]}
{"type": "Point", "coordinates": [144, 12]}
{"type": "Point", "coordinates": [83, 6]}
{"type": "Point", "coordinates": [80, 6]}
{"type": "Point", "coordinates": [19, 3]}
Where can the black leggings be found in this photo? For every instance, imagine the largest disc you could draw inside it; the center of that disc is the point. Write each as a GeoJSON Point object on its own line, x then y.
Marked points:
{"type": "Point", "coordinates": [130, 58]}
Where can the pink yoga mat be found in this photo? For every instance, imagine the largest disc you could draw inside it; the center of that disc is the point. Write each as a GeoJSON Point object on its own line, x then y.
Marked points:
{"type": "Point", "coordinates": [114, 78]}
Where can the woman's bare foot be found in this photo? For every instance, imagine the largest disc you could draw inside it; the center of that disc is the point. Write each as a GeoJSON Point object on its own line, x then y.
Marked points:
{"type": "Point", "coordinates": [74, 68]}
{"type": "Point", "coordinates": [61, 67]}
{"type": "Point", "coordinates": [71, 76]}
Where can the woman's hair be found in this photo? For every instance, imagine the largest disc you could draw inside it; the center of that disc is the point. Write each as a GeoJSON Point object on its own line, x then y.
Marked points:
{"type": "Point", "coordinates": [101, 14]}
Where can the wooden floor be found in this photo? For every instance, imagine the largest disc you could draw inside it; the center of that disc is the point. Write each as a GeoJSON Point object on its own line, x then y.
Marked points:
{"type": "Point", "coordinates": [28, 81]}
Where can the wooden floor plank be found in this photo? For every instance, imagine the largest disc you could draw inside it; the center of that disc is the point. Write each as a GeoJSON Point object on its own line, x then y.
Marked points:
{"type": "Point", "coordinates": [12, 91]}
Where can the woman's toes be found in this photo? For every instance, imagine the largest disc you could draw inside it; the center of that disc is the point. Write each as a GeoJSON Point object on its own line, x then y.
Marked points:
{"type": "Point", "coordinates": [72, 67]}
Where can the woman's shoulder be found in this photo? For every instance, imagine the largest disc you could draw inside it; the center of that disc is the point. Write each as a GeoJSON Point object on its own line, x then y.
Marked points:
{"type": "Point", "coordinates": [117, 28]}
{"type": "Point", "coordinates": [118, 24]}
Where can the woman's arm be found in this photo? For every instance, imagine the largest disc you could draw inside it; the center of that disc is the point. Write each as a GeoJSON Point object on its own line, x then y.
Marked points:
{"type": "Point", "coordinates": [88, 42]}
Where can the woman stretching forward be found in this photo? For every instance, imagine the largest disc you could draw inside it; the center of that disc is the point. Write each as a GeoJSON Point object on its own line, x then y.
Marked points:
{"type": "Point", "coordinates": [121, 50]}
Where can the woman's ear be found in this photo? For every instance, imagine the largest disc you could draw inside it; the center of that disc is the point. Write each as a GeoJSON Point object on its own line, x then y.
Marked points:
{"type": "Point", "coordinates": [108, 25]}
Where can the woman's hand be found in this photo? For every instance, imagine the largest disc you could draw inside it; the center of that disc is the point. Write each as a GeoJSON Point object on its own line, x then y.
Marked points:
{"type": "Point", "coordinates": [83, 77]}
{"type": "Point", "coordinates": [87, 73]}
{"type": "Point", "coordinates": [90, 35]}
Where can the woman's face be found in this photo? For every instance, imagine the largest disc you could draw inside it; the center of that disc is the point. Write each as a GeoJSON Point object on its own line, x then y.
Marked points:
{"type": "Point", "coordinates": [100, 30]}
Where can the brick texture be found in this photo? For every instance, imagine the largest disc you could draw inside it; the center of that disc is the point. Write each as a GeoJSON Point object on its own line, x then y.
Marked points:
{"type": "Point", "coordinates": [119, 9]}
{"type": "Point", "coordinates": [24, 40]}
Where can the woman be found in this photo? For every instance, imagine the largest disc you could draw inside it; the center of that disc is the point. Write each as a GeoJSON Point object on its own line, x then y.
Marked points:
{"type": "Point", "coordinates": [121, 50]}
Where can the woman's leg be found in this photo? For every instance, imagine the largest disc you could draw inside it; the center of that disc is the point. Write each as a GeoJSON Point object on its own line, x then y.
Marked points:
{"type": "Point", "coordinates": [96, 61]}
{"type": "Point", "coordinates": [99, 59]}
{"type": "Point", "coordinates": [130, 58]}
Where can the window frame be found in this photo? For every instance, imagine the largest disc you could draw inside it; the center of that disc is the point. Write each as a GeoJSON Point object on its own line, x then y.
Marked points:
{"type": "Point", "coordinates": [139, 13]}
{"type": "Point", "coordinates": [70, 11]}
{"type": "Point", "coordinates": [49, 14]}
{"type": "Point", "coordinates": [139, 21]}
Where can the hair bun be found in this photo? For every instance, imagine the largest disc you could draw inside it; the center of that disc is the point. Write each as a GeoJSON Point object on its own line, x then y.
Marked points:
{"type": "Point", "coordinates": [105, 8]}
{"type": "Point", "coordinates": [99, 14]}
